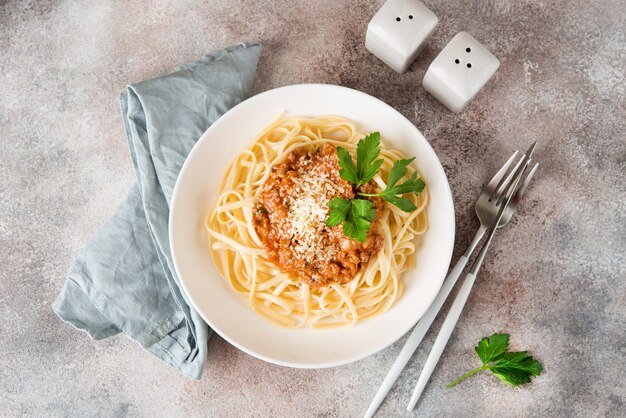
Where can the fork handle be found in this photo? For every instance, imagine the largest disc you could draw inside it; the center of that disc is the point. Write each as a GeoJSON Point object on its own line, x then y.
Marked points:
{"type": "Point", "coordinates": [453, 315]}
{"type": "Point", "coordinates": [442, 338]}
{"type": "Point", "coordinates": [479, 235]}
{"type": "Point", "coordinates": [416, 336]}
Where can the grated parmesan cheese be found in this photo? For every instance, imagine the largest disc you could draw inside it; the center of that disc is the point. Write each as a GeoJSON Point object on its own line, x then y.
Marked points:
{"type": "Point", "coordinates": [307, 215]}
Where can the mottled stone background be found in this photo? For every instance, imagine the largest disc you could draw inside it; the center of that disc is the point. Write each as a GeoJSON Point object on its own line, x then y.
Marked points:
{"type": "Point", "coordinates": [555, 277]}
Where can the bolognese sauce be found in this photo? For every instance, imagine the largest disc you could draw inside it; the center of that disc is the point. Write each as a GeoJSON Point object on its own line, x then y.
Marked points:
{"type": "Point", "coordinates": [290, 216]}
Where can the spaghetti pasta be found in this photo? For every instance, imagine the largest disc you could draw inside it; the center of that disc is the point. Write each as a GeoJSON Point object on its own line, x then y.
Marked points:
{"type": "Point", "coordinates": [241, 258]}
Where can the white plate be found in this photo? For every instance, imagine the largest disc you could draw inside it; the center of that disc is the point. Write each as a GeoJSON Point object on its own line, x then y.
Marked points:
{"type": "Point", "coordinates": [228, 313]}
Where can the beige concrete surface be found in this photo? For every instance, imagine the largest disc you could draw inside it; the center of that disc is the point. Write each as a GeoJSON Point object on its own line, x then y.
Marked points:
{"type": "Point", "coordinates": [554, 279]}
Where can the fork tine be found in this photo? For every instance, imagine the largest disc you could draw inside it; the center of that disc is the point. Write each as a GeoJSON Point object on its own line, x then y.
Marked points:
{"type": "Point", "coordinates": [531, 149]}
{"type": "Point", "coordinates": [495, 181]}
{"type": "Point", "coordinates": [504, 186]}
{"type": "Point", "coordinates": [524, 186]}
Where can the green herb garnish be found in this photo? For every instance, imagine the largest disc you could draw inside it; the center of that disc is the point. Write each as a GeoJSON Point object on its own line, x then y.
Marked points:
{"type": "Point", "coordinates": [358, 214]}
{"type": "Point", "coordinates": [367, 165]}
{"type": "Point", "coordinates": [513, 368]}
{"type": "Point", "coordinates": [394, 191]}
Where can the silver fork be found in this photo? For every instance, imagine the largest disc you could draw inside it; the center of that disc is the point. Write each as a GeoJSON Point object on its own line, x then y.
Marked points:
{"type": "Point", "coordinates": [498, 206]}
{"type": "Point", "coordinates": [487, 208]}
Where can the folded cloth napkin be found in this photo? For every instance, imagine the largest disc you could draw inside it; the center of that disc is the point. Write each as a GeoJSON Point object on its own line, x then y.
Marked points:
{"type": "Point", "coordinates": [124, 279]}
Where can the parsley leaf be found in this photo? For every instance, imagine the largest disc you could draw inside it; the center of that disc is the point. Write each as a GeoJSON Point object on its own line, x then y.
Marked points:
{"type": "Point", "coordinates": [512, 367]}
{"type": "Point", "coordinates": [393, 192]}
{"type": "Point", "coordinates": [367, 151]}
{"type": "Point", "coordinates": [492, 348]}
{"type": "Point", "coordinates": [348, 170]}
{"type": "Point", "coordinates": [397, 171]}
{"type": "Point", "coordinates": [516, 368]}
{"type": "Point", "coordinates": [367, 165]}
{"type": "Point", "coordinates": [357, 216]}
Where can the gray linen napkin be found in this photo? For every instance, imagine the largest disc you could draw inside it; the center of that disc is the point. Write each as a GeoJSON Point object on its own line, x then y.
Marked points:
{"type": "Point", "coordinates": [124, 279]}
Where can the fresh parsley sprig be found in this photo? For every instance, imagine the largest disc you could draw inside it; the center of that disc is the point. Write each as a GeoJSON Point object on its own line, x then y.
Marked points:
{"type": "Point", "coordinates": [394, 191]}
{"type": "Point", "coordinates": [358, 214]}
{"type": "Point", "coordinates": [513, 368]}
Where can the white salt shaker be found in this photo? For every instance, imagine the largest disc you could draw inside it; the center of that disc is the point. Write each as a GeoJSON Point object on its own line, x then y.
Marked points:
{"type": "Point", "coordinates": [398, 32]}
{"type": "Point", "coordinates": [460, 70]}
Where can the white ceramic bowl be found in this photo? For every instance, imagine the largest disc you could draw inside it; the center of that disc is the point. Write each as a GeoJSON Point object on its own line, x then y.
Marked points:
{"type": "Point", "coordinates": [228, 313]}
